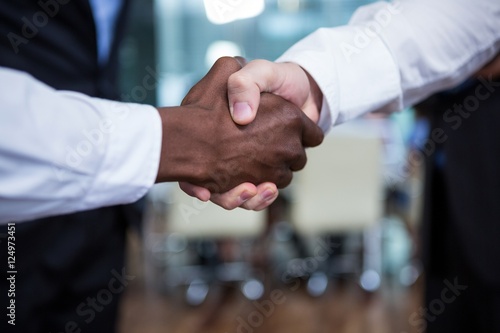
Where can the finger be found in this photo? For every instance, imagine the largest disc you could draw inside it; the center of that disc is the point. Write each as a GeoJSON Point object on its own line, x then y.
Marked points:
{"type": "Point", "coordinates": [235, 197]}
{"type": "Point", "coordinates": [244, 98]}
{"type": "Point", "coordinates": [491, 68]}
{"type": "Point", "coordinates": [266, 194]}
{"type": "Point", "coordinates": [216, 80]}
{"type": "Point", "coordinates": [284, 179]}
{"type": "Point", "coordinates": [300, 162]}
{"type": "Point", "coordinates": [195, 191]}
{"type": "Point", "coordinates": [312, 135]}
{"type": "Point", "coordinates": [242, 61]}
{"type": "Point", "coordinates": [245, 86]}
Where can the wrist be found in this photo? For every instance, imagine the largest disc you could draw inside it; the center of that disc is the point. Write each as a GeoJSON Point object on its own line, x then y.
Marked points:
{"type": "Point", "coordinates": [315, 92]}
{"type": "Point", "coordinates": [314, 102]}
{"type": "Point", "coordinates": [185, 150]}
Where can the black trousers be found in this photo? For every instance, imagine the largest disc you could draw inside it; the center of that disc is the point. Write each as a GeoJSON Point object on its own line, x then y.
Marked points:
{"type": "Point", "coordinates": [456, 299]}
{"type": "Point", "coordinates": [70, 273]}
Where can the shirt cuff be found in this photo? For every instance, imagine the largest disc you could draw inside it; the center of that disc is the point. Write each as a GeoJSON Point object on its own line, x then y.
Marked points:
{"type": "Point", "coordinates": [130, 164]}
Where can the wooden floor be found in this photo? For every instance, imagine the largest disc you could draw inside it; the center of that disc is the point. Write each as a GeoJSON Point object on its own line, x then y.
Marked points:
{"type": "Point", "coordinates": [344, 308]}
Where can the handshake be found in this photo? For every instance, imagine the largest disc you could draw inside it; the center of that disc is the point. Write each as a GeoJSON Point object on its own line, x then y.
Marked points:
{"type": "Point", "coordinates": [215, 158]}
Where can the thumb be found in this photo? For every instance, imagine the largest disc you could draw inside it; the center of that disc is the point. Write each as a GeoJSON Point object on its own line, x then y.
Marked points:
{"type": "Point", "coordinates": [243, 97]}
{"type": "Point", "coordinates": [244, 88]}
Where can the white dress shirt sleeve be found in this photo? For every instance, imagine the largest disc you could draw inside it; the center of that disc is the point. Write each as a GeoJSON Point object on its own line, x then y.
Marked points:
{"type": "Point", "coordinates": [393, 55]}
{"type": "Point", "coordinates": [63, 152]}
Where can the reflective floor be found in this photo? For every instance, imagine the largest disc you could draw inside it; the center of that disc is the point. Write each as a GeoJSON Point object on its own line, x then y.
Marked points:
{"type": "Point", "coordinates": [344, 307]}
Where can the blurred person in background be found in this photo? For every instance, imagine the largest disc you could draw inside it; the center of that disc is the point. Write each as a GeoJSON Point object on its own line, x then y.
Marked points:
{"type": "Point", "coordinates": [461, 211]}
{"type": "Point", "coordinates": [68, 260]}
{"type": "Point", "coordinates": [337, 74]}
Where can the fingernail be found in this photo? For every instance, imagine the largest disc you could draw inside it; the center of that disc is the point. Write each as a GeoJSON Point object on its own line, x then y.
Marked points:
{"type": "Point", "coordinates": [245, 196]}
{"type": "Point", "coordinates": [241, 111]}
{"type": "Point", "coordinates": [267, 195]}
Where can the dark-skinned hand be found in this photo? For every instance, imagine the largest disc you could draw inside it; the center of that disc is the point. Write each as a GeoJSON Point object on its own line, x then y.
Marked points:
{"type": "Point", "coordinates": [203, 146]}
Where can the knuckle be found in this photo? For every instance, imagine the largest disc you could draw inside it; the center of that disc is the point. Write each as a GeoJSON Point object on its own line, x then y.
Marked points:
{"type": "Point", "coordinates": [212, 187]}
{"type": "Point", "coordinates": [321, 137]}
{"type": "Point", "coordinates": [294, 116]}
{"type": "Point", "coordinates": [301, 163]}
{"type": "Point", "coordinates": [226, 204]}
{"type": "Point", "coordinates": [284, 179]}
{"type": "Point", "coordinates": [238, 82]}
{"type": "Point", "coordinates": [260, 207]}
{"type": "Point", "coordinates": [227, 65]}
{"type": "Point", "coordinates": [299, 153]}
{"type": "Point", "coordinates": [260, 63]}
{"type": "Point", "coordinates": [246, 206]}
{"type": "Point", "coordinates": [225, 61]}
{"type": "Point", "coordinates": [229, 205]}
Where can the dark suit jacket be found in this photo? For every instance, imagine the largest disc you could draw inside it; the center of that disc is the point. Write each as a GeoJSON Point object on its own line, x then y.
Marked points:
{"type": "Point", "coordinates": [64, 259]}
{"type": "Point", "coordinates": [57, 44]}
{"type": "Point", "coordinates": [462, 220]}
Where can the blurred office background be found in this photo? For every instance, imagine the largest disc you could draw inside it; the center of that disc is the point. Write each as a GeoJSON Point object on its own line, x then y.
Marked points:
{"type": "Point", "coordinates": [338, 251]}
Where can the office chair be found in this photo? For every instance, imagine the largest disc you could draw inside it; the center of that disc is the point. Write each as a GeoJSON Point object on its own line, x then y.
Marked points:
{"type": "Point", "coordinates": [339, 191]}
{"type": "Point", "coordinates": [199, 227]}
